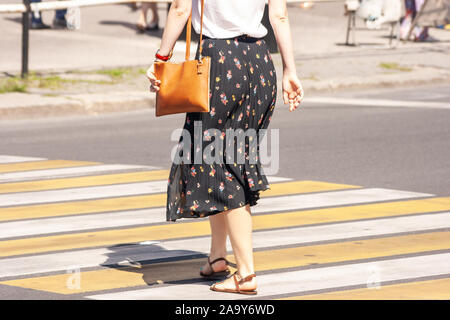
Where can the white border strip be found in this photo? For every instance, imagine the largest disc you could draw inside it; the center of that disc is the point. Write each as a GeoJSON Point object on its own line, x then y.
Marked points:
{"type": "Point", "coordinates": [378, 102]}
{"type": "Point", "coordinates": [13, 159]}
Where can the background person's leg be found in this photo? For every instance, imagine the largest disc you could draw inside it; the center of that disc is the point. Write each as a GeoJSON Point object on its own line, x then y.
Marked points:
{"type": "Point", "coordinates": [142, 20]}
{"type": "Point", "coordinates": [420, 33]}
{"type": "Point", "coordinates": [153, 25]}
{"type": "Point", "coordinates": [36, 20]}
{"type": "Point", "coordinates": [59, 21]}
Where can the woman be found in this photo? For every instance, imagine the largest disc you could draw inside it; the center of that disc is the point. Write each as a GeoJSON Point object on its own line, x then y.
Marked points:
{"type": "Point", "coordinates": [242, 96]}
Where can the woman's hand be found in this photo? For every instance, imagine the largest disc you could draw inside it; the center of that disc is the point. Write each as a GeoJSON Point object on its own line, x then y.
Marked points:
{"type": "Point", "coordinates": [154, 83]}
{"type": "Point", "coordinates": [292, 90]}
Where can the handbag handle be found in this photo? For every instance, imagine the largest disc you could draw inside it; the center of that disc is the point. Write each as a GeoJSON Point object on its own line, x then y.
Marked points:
{"type": "Point", "coordinates": [188, 34]}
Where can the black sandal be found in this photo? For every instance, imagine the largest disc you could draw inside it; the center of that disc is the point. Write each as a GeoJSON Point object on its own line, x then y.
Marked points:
{"type": "Point", "coordinates": [218, 274]}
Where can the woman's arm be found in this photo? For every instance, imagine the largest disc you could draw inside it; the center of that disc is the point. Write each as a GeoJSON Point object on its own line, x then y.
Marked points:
{"type": "Point", "coordinates": [279, 20]}
{"type": "Point", "coordinates": [176, 20]}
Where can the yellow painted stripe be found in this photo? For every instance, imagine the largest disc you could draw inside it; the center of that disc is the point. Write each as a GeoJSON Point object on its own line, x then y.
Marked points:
{"type": "Point", "coordinates": [87, 181]}
{"type": "Point", "coordinates": [349, 213]}
{"type": "Point", "coordinates": [296, 187]}
{"type": "Point", "coordinates": [81, 207]}
{"type": "Point", "coordinates": [353, 250]}
{"type": "Point", "coordinates": [201, 228]}
{"type": "Point", "coordinates": [146, 201]}
{"type": "Point", "coordinates": [43, 164]}
{"type": "Point", "coordinates": [438, 289]}
{"type": "Point", "coordinates": [264, 260]}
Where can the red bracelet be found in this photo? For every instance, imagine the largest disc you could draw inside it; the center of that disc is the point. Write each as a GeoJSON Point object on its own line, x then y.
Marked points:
{"type": "Point", "coordinates": [163, 58]}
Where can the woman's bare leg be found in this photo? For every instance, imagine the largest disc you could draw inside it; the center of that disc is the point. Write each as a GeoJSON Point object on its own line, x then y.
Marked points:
{"type": "Point", "coordinates": [218, 243]}
{"type": "Point", "coordinates": [239, 227]}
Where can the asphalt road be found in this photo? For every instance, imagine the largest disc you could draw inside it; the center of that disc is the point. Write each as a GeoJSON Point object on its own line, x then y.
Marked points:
{"type": "Point", "coordinates": [402, 147]}
{"type": "Point", "coordinates": [347, 139]}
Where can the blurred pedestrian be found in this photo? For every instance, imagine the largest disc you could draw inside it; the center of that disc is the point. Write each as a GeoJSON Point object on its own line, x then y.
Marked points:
{"type": "Point", "coordinates": [59, 21]}
{"type": "Point", "coordinates": [412, 9]}
{"type": "Point", "coordinates": [142, 24]}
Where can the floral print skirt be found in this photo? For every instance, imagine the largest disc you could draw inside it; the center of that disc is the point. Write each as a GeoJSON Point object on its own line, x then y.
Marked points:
{"type": "Point", "coordinates": [243, 89]}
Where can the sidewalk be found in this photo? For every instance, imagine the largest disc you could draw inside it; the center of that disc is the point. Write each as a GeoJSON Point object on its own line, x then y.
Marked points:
{"type": "Point", "coordinates": [101, 68]}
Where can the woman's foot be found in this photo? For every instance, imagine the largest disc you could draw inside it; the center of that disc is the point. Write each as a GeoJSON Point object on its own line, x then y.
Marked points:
{"type": "Point", "coordinates": [230, 284]}
{"type": "Point", "coordinates": [216, 266]}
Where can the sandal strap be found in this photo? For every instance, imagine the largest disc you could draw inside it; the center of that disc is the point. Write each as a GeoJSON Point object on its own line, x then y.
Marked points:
{"type": "Point", "coordinates": [247, 278]}
{"type": "Point", "coordinates": [211, 267]}
{"type": "Point", "coordinates": [218, 259]}
{"type": "Point", "coordinates": [236, 282]}
{"type": "Point", "coordinates": [239, 282]}
{"type": "Point", "coordinates": [229, 263]}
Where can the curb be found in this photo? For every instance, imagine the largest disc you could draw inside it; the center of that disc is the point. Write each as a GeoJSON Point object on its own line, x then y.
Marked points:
{"type": "Point", "coordinates": [34, 105]}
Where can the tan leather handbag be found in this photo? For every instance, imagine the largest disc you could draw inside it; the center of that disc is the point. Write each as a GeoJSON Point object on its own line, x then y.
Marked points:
{"type": "Point", "coordinates": [184, 86]}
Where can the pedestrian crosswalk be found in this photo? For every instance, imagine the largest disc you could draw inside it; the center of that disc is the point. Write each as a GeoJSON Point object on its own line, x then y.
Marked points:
{"type": "Point", "coordinates": [436, 289]}
{"type": "Point", "coordinates": [104, 225]}
{"type": "Point", "coordinates": [290, 282]}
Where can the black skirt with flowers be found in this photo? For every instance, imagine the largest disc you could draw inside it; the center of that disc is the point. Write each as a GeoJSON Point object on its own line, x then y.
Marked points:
{"type": "Point", "coordinates": [243, 89]}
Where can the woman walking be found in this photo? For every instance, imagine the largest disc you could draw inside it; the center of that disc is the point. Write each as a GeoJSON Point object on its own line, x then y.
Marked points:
{"type": "Point", "coordinates": [243, 90]}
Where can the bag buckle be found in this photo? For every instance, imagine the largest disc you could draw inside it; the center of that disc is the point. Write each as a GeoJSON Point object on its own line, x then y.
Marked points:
{"type": "Point", "coordinates": [199, 65]}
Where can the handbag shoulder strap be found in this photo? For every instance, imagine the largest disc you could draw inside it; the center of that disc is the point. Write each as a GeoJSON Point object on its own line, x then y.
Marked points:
{"type": "Point", "coordinates": [188, 33]}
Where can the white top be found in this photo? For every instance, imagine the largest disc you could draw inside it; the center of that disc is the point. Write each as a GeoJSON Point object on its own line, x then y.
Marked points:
{"type": "Point", "coordinates": [229, 18]}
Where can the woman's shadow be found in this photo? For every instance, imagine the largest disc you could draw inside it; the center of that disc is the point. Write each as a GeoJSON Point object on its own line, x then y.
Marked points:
{"type": "Point", "coordinates": [156, 264]}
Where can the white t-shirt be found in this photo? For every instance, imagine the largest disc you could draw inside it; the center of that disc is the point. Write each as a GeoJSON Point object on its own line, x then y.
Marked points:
{"type": "Point", "coordinates": [229, 18]}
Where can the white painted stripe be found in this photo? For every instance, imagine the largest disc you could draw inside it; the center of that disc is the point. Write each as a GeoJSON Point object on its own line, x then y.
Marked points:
{"type": "Point", "coordinates": [158, 215]}
{"type": "Point", "coordinates": [273, 179]}
{"type": "Point", "coordinates": [335, 232]}
{"type": "Point", "coordinates": [333, 198]}
{"type": "Point", "coordinates": [13, 159]}
{"type": "Point", "coordinates": [378, 102]}
{"type": "Point", "coordinates": [181, 248]}
{"type": "Point", "coordinates": [302, 281]}
{"type": "Point", "coordinates": [67, 172]}
{"type": "Point", "coordinates": [83, 193]}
